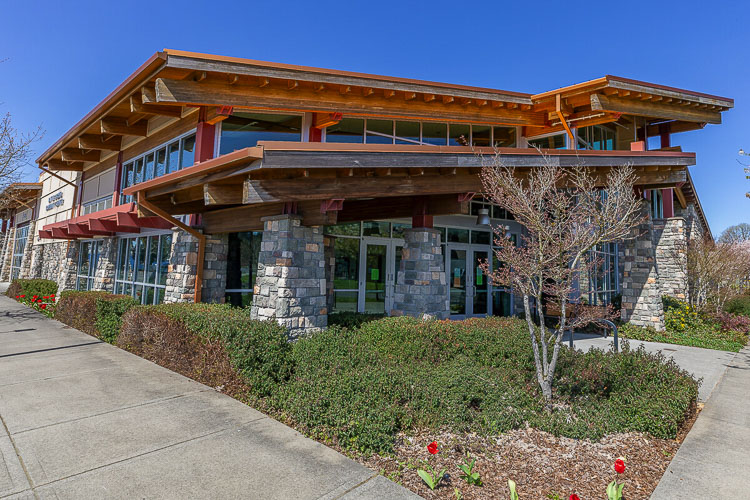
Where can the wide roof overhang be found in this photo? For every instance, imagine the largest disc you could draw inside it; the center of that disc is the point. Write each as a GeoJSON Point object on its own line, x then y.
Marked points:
{"type": "Point", "coordinates": [366, 179]}
{"type": "Point", "coordinates": [171, 82]}
{"type": "Point", "coordinates": [119, 219]}
{"type": "Point", "coordinates": [19, 195]}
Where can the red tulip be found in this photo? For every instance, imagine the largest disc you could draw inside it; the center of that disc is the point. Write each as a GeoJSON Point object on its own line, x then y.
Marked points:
{"type": "Point", "coordinates": [35, 297]}
{"type": "Point", "coordinates": [53, 299]}
{"type": "Point", "coordinates": [18, 296]}
{"type": "Point", "coordinates": [432, 448]}
{"type": "Point", "coordinates": [574, 497]}
{"type": "Point", "coordinates": [619, 465]}
{"type": "Point", "coordinates": [23, 296]}
{"type": "Point", "coordinates": [43, 306]}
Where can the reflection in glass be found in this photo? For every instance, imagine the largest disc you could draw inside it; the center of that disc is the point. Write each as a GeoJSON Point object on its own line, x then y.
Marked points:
{"type": "Point", "coordinates": [480, 135]}
{"type": "Point", "coordinates": [375, 279]}
{"type": "Point", "coordinates": [346, 267]}
{"type": "Point", "coordinates": [244, 130]}
{"type": "Point", "coordinates": [459, 134]}
{"type": "Point", "coordinates": [373, 228]}
{"type": "Point", "coordinates": [379, 132]}
{"type": "Point", "coordinates": [435, 133]}
{"type": "Point", "coordinates": [349, 130]}
{"type": "Point", "coordinates": [407, 132]}
{"type": "Point", "coordinates": [457, 280]}
{"type": "Point", "coordinates": [504, 137]}
{"type": "Point", "coordinates": [481, 285]}
{"type": "Point", "coordinates": [188, 152]}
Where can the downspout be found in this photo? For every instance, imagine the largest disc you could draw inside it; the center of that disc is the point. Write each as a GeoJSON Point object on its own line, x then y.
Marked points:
{"type": "Point", "coordinates": [197, 234]}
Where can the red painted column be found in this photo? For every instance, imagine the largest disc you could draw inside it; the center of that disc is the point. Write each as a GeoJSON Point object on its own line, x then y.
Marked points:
{"type": "Point", "coordinates": [420, 217]}
{"type": "Point", "coordinates": [205, 136]}
{"type": "Point", "coordinates": [315, 134]}
{"type": "Point", "coordinates": [667, 200]}
{"type": "Point", "coordinates": [118, 181]}
{"type": "Point", "coordinates": [664, 133]}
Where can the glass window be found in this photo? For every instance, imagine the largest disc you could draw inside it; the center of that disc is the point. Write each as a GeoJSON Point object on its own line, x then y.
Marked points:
{"type": "Point", "coordinates": [242, 266]}
{"type": "Point", "coordinates": [458, 235]}
{"type": "Point", "coordinates": [349, 130]}
{"type": "Point", "coordinates": [188, 152]}
{"type": "Point", "coordinates": [149, 167]}
{"type": "Point", "coordinates": [504, 137]}
{"type": "Point", "coordinates": [373, 228]}
{"type": "Point", "coordinates": [138, 171]}
{"type": "Point", "coordinates": [161, 162]}
{"type": "Point", "coordinates": [398, 229]}
{"type": "Point", "coordinates": [173, 157]}
{"type": "Point", "coordinates": [142, 267]}
{"type": "Point", "coordinates": [348, 229]}
{"type": "Point", "coordinates": [551, 142]}
{"type": "Point", "coordinates": [244, 130]}
{"type": "Point", "coordinates": [460, 134]}
{"type": "Point", "coordinates": [407, 133]}
{"type": "Point", "coordinates": [88, 258]}
{"type": "Point", "coordinates": [480, 237]}
{"type": "Point", "coordinates": [435, 133]}
{"type": "Point", "coordinates": [379, 132]}
{"type": "Point", "coordinates": [346, 268]}
{"type": "Point", "coordinates": [481, 135]}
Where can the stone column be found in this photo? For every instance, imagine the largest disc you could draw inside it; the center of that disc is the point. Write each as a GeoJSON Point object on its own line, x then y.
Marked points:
{"type": "Point", "coordinates": [671, 256]}
{"type": "Point", "coordinates": [183, 266]}
{"type": "Point", "coordinates": [641, 296]}
{"type": "Point", "coordinates": [106, 266]}
{"type": "Point", "coordinates": [421, 289]}
{"type": "Point", "coordinates": [215, 269]}
{"type": "Point", "coordinates": [7, 256]}
{"type": "Point", "coordinates": [37, 261]}
{"type": "Point", "coordinates": [25, 272]}
{"type": "Point", "coordinates": [290, 287]}
{"type": "Point", "coordinates": [69, 269]}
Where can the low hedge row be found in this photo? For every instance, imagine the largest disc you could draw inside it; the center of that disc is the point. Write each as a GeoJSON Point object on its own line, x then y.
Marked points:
{"type": "Point", "coordinates": [96, 313]}
{"type": "Point", "coordinates": [187, 337]}
{"type": "Point", "coordinates": [31, 287]}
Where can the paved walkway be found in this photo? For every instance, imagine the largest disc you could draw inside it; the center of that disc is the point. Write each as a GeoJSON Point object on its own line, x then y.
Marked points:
{"type": "Point", "coordinates": [83, 419]}
{"type": "Point", "coordinates": [706, 364]}
{"type": "Point", "coordinates": [713, 460]}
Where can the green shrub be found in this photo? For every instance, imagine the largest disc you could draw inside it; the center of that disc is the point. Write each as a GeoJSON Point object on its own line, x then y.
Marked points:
{"type": "Point", "coordinates": [706, 335]}
{"type": "Point", "coordinates": [351, 319]}
{"type": "Point", "coordinates": [32, 287]}
{"type": "Point", "coordinates": [359, 387]}
{"type": "Point", "coordinates": [258, 350]}
{"type": "Point", "coordinates": [739, 305]}
{"type": "Point", "coordinates": [109, 312]}
{"type": "Point", "coordinates": [97, 313]}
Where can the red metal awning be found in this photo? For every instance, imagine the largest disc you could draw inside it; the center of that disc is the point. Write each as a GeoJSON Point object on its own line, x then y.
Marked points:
{"type": "Point", "coordinates": [120, 219]}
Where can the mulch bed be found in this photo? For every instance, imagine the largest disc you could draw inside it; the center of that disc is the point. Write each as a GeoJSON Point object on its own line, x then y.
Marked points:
{"type": "Point", "coordinates": [541, 464]}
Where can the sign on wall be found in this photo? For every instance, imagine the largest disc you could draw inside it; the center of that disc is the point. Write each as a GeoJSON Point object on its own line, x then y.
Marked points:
{"type": "Point", "coordinates": [23, 216]}
{"type": "Point", "coordinates": [54, 201]}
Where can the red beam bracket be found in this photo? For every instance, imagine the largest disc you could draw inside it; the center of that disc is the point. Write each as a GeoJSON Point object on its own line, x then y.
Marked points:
{"type": "Point", "coordinates": [462, 197]}
{"type": "Point", "coordinates": [334, 205]}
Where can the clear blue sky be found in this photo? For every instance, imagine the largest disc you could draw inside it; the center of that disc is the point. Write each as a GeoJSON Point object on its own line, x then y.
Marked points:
{"type": "Point", "coordinates": [62, 58]}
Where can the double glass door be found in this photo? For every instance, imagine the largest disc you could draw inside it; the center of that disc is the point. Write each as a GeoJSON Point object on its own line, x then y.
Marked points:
{"type": "Point", "coordinates": [380, 260]}
{"type": "Point", "coordinates": [469, 287]}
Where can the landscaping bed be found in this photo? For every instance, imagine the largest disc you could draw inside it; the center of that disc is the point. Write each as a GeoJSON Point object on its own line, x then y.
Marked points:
{"type": "Point", "coordinates": [684, 325]}
{"type": "Point", "coordinates": [382, 389]}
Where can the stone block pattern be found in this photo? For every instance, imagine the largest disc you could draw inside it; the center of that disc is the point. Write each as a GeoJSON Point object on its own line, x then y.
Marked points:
{"type": "Point", "coordinates": [641, 293]}
{"type": "Point", "coordinates": [290, 286]}
{"type": "Point", "coordinates": [183, 266]}
{"type": "Point", "coordinates": [670, 241]}
{"type": "Point", "coordinates": [69, 269]}
{"type": "Point", "coordinates": [421, 289]}
{"type": "Point", "coordinates": [7, 256]}
{"type": "Point", "coordinates": [106, 266]}
{"type": "Point", "coordinates": [27, 254]}
{"type": "Point", "coordinates": [215, 269]}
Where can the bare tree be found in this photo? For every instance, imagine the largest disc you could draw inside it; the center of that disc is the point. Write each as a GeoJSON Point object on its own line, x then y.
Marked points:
{"type": "Point", "coordinates": [566, 216]}
{"type": "Point", "coordinates": [15, 154]}
{"type": "Point", "coordinates": [716, 272]}
{"type": "Point", "coordinates": [736, 234]}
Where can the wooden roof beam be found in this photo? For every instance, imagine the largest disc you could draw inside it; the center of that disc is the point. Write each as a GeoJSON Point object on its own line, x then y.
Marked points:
{"type": "Point", "coordinates": [120, 127]}
{"type": "Point", "coordinates": [70, 154]}
{"type": "Point", "coordinates": [137, 106]}
{"type": "Point", "coordinates": [93, 141]}
{"type": "Point", "coordinates": [64, 165]}
{"type": "Point", "coordinates": [655, 110]}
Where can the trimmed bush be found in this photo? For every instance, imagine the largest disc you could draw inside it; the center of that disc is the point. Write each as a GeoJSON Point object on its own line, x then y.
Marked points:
{"type": "Point", "coordinates": [97, 313]}
{"type": "Point", "coordinates": [184, 337]}
{"type": "Point", "coordinates": [739, 305]}
{"type": "Point", "coordinates": [351, 319]}
{"type": "Point", "coordinates": [30, 288]}
{"type": "Point", "coordinates": [359, 387]}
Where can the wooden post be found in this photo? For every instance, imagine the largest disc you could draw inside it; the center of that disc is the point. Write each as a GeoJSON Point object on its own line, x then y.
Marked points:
{"type": "Point", "coordinates": [118, 181]}
{"type": "Point", "coordinates": [667, 202]}
{"type": "Point", "coordinates": [664, 133]}
{"type": "Point", "coordinates": [205, 136]}
{"type": "Point", "coordinates": [420, 217]}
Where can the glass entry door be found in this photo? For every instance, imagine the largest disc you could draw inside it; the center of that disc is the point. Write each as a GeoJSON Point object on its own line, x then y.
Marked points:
{"type": "Point", "coordinates": [380, 261]}
{"type": "Point", "coordinates": [469, 287]}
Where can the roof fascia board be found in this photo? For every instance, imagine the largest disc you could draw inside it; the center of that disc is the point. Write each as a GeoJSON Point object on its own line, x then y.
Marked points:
{"type": "Point", "coordinates": [675, 93]}
{"type": "Point", "coordinates": [152, 66]}
{"type": "Point", "coordinates": [253, 68]}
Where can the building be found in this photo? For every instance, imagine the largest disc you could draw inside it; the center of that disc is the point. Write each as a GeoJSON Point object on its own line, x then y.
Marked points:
{"type": "Point", "coordinates": [299, 191]}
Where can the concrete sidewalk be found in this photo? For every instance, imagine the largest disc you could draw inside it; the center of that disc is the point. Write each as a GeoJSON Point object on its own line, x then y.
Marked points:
{"type": "Point", "coordinates": [712, 461]}
{"type": "Point", "coordinates": [83, 419]}
{"type": "Point", "coordinates": [706, 364]}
